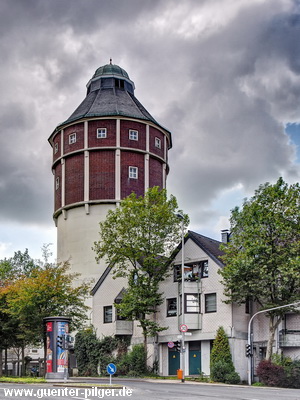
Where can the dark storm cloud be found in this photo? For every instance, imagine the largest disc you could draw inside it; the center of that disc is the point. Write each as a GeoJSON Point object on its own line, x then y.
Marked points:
{"type": "Point", "coordinates": [222, 76]}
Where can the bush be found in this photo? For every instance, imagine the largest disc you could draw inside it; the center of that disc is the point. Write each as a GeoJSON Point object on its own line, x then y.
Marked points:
{"type": "Point", "coordinates": [233, 378]}
{"type": "Point", "coordinates": [220, 370]}
{"type": "Point", "coordinates": [134, 362]}
{"type": "Point", "coordinates": [270, 374]}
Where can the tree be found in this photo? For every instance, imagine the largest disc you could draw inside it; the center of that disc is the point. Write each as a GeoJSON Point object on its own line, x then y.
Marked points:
{"type": "Point", "coordinates": [136, 238]}
{"type": "Point", "coordinates": [262, 259]}
{"type": "Point", "coordinates": [221, 365]}
{"type": "Point", "coordinates": [43, 292]}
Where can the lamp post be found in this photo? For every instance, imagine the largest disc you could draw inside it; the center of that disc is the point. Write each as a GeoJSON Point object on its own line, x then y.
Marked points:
{"type": "Point", "coordinates": [250, 341]}
{"type": "Point", "coordinates": [180, 216]}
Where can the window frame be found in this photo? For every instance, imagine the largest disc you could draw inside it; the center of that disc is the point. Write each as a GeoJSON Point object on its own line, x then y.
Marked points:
{"type": "Point", "coordinates": [196, 296]}
{"type": "Point", "coordinates": [55, 148]}
{"type": "Point", "coordinates": [72, 138]}
{"type": "Point", "coordinates": [157, 142]}
{"type": "Point", "coordinates": [101, 133]}
{"type": "Point", "coordinates": [206, 296]}
{"type": "Point", "coordinates": [131, 173]}
{"type": "Point", "coordinates": [171, 301]}
{"type": "Point", "coordinates": [57, 183]}
{"type": "Point", "coordinates": [105, 314]}
{"type": "Point", "coordinates": [133, 134]}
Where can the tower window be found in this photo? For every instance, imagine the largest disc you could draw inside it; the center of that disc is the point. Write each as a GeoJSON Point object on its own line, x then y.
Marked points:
{"type": "Point", "coordinates": [72, 138]}
{"type": "Point", "coordinates": [57, 183]}
{"type": "Point", "coordinates": [133, 172]}
{"type": "Point", "coordinates": [133, 135]}
{"type": "Point", "coordinates": [101, 133]}
{"type": "Point", "coordinates": [56, 148]}
{"type": "Point", "coordinates": [158, 143]}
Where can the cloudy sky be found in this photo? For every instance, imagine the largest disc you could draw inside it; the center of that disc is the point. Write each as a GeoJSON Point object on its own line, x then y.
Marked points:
{"type": "Point", "coordinates": [222, 75]}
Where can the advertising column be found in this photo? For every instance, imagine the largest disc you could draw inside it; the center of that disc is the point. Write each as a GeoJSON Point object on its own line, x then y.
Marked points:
{"type": "Point", "coordinates": [56, 331]}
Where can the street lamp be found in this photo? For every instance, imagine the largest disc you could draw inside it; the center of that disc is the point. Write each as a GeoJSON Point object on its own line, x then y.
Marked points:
{"type": "Point", "coordinates": [250, 342]}
{"type": "Point", "coordinates": [180, 216]}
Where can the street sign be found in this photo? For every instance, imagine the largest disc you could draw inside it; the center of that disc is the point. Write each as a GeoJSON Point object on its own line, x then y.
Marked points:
{"type": "Point", "coordinates": [179, 337]}
{"type": "Point", "coordinates": [183, 328]}
{"type": "Point", "coordinates": [188, 333]}
{"type": "Point", "coordinates": [171, 345]}
{"type": "Point", "coordinates": [111, 369]}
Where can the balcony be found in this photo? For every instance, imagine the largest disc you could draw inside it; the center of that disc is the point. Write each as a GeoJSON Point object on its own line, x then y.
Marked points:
{"type": "Point", "coordinates": [289, 338]}
{"type": "Point", "coordinates": [124, 327]}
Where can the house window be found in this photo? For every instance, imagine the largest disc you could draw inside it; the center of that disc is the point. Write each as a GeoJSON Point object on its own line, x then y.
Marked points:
{"type": "Point", "coordinates": [56, 148]}
{"type": "Point", "coordinates": [158, 143]}
{"type": "Point", "coordinates": [72, 138]}
{"type": "Point", "coordinates": [247, 306]}
{"type": "Point", "coordinates": [107, 314]}
{"type": "Point", "coordinates": [192, 272]}
{"type": "Point", "coordinates": [204, 269]}
{"type": "Point", "coordinates": [57, 183]}
{"type": "Point", "coordinates": [172, 307]}
{"type": "Point", "coordinates": [192, 303]}
{"type": "Point", "coordinates": [101, 133]}
{"type": "Point", "coordinates": [133, 172]}
{"type": "Point", "coordinates": [210, 302]}
{"type": "Point", "coordinates": [133, 135]}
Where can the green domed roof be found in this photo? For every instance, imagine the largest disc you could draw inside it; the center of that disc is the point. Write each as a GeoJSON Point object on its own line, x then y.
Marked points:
{"type": "Point", "coordinates": [111, 69]}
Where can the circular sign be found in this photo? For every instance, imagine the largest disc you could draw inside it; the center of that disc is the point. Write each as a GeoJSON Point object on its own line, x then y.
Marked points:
{"type": "Point", "coordinates": [111, 369]}
{"type": "Point", "coordinates": [183, 328]}
{"type": "Point", "coordinates": [171, 345]}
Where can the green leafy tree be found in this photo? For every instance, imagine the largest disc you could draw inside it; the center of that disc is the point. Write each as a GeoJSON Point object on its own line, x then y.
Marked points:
{"type": "Point", "coordinates": [43, 292]}
{"type": "Point", "coordinates": [136, 238]}
{"type": "Point", "coordinates": [262, 259]}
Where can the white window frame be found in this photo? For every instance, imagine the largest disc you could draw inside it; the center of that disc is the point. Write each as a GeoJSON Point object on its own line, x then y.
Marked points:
{"type": "Point", "coordinates": [133, 172]}
{"type": "Point", "coordinates": [72, 138]}
{"type": "Point", "coordinates": [55, 148]}
{"type": "Point", "coordinates": [101, 133]}
{"type": "Point", "coordinates": [157, 142]}
{"type": "Point", "coordinates": [133, 134]}
{"type": "Point", "coordinates": [57, 183]}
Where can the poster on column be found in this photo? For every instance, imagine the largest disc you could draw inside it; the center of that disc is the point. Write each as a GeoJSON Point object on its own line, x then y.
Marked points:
{"type": "Point", "coordinates": [62, 354]}
{"type": "Point", "coordinates": [49, 346]}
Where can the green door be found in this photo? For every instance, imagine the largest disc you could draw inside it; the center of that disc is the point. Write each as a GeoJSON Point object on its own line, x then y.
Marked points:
{"type": "Point", "coordinates": [194, 362]}
{"type": "Point", "coordinates": [174, 361]}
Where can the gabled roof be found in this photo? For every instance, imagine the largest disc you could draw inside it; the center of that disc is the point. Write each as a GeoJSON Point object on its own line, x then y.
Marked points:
{"type": "Point", "coordinates": [100, 280]}
{"type": "Point", "coordinates": [210, 246]}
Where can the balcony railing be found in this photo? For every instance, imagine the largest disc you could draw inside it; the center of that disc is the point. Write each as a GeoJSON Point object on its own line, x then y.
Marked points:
{"type": "Point", "coordinates": [289, 338]}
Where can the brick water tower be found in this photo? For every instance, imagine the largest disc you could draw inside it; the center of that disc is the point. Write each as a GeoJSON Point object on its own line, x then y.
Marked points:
{"type": "Point", "coordinates": [109, 147]}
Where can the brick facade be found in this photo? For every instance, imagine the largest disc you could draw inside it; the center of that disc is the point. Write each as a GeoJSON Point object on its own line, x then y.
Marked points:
{"type": "Point", "coordinates": [74, 182]}
{"type": "Point", "coordinates": [102, 174]}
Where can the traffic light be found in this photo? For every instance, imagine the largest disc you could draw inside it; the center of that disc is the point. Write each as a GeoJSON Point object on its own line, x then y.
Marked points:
{"type": "Point", "coordinates": [177, 346]}
{"type": "Point", "coordinates": [69, 343]}
{"type": "Point", "coordinates": [61, 341]}
{"type": "Point", "coordinates": [248, 350]}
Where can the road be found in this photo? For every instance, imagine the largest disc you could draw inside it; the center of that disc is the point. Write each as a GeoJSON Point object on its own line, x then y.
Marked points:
{"type": "Point", "coordinates": [150, 390]}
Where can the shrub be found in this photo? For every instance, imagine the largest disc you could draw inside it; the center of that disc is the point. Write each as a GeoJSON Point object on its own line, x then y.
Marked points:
{"type": "Point", "coordinates": [270, 374]}
{"type": "Point", "coordinates": [134, 362]}
{"type": "Point", "coordinates": [221, 365]}
{"type": "Point", "coordinates": [220, 370]}
{"type": "Point", "coordinates": [233, 378]}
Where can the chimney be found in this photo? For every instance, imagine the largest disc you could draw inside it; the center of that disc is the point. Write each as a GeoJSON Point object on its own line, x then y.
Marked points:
{"type": "Point", "coordinates": [225, 234]}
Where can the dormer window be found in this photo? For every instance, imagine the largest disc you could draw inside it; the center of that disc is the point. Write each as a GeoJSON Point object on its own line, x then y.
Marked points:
{"type": "Point", "coordinates": [101, 133]}
{"type": "Point", "coordinates": [133, 135]}
{"type": "Point", "coordinates": [72, 138]}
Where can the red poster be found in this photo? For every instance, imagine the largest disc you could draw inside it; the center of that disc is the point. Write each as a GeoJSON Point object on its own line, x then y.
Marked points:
{"type": "Point", "coordinates": [49, 343]}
